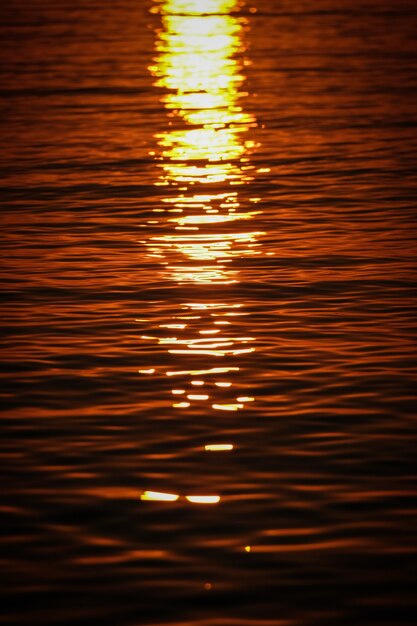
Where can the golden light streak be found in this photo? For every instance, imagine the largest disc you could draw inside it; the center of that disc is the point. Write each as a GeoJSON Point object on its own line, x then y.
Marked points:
{"type": "Point", "coordinates": [213, 219]}
{"type": "Point", "coordinates": [213, 305]}
{"type": "Point", "coordinates": [218, 447]}
{"type": "Point", "coordinates": [159, 496]}
{"type": "Point", "coordinates": [197, 397]}
{"type": "Point", "coordinates": [205, 352]}
{"type": "Point", "coordinates": [206, 343]}
{"type": "Point", "coordinates": [187, 317]}
{"type": "Point", "coordinates": [209, 237]}
{"type": "Point", "coordinates": [213, 370]}
{"type": "Point", "coordinates": [227, 407]}
{"type": "Point", "coordinates": [203, 499]}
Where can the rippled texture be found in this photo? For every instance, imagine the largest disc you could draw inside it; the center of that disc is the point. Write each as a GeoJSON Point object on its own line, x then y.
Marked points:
{"type": "Point", "coordinates": [209, 276]}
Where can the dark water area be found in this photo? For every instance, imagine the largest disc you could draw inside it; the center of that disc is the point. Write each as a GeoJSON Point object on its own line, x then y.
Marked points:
{"type": "Point", "coordinates": [209, 312]}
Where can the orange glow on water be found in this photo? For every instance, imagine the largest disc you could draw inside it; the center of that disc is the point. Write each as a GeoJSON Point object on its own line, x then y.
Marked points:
{"type": "Point", "coordinates": [199, 66]}
{"type": "Point", "coordinates": [180, 414]}
{"type": "Point", "coordinates": [200, 233]}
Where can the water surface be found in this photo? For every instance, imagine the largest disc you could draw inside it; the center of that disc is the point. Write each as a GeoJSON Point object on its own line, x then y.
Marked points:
{"type": "Point", "coordinates": [209, 308]}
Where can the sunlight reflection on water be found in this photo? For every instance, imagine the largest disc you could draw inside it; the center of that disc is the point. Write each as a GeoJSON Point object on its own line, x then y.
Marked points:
{"type": "Point", "coordinates": [209, 422]}
{"type": "Point", "coordinates": [200, 69]}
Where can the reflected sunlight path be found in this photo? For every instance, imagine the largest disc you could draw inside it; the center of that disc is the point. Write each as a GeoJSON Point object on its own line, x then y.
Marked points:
{"type": "Point", "coordinates": [203, 224]}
